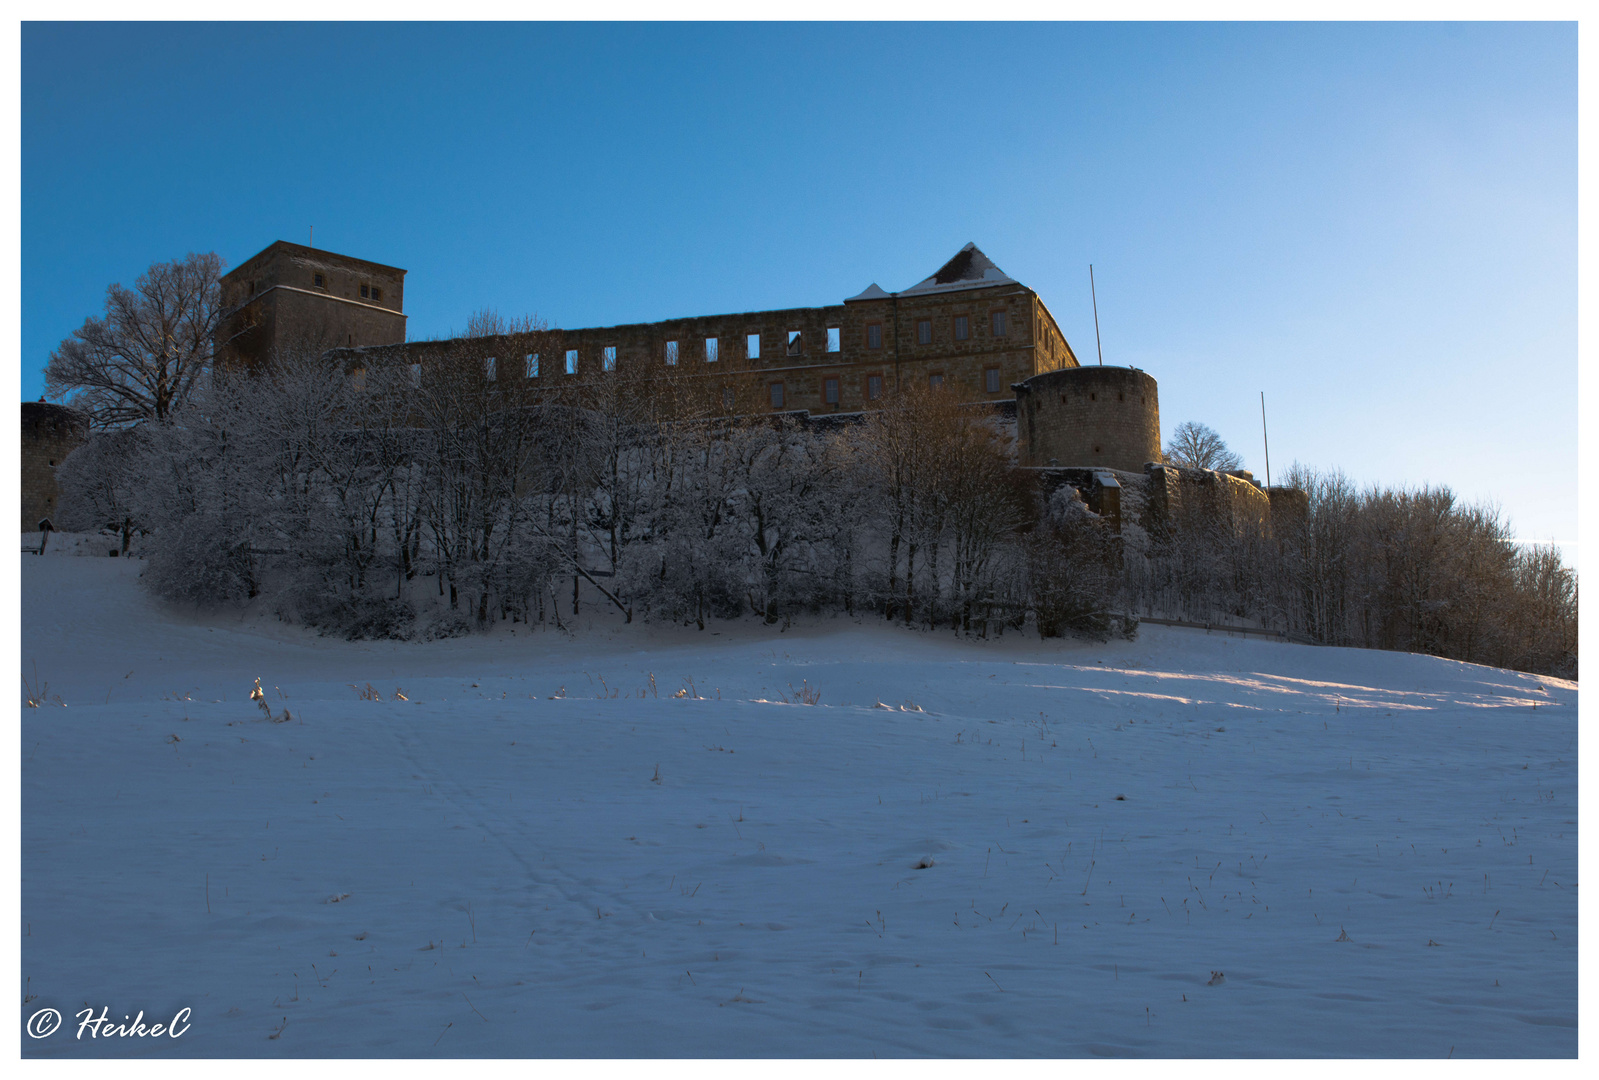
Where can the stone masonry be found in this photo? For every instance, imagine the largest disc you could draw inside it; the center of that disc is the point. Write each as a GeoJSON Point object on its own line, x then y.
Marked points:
{"type": "Point", "coordinates": [1106, 417]}
{"type": "Point", "coordinates": [968, 327]}
{"type": "Point", "coordinates": [290, 296]}
{"type": "Point", "coordinates": [49, 434]}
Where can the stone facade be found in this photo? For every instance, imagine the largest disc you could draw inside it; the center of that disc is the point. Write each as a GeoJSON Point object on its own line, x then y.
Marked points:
{"type": "Point", "coordinates": [968, 327]}
{"type": "Point", "coordinates": [1104, 417]}
{"type": "Point", "coordinates": [49, 434]}
{"type": "Point", "coordinates": [294, 296]}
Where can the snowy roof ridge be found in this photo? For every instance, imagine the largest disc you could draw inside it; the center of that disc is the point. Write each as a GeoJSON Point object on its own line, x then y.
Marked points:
{"type": "Point", "coordinates": [969, 269]}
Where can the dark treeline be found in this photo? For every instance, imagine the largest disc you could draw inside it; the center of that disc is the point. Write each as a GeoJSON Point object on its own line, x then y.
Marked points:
{"type": "Point", "coordinates": [1414, 570]}
{"type": "Point", "coordinates": [405, 501]}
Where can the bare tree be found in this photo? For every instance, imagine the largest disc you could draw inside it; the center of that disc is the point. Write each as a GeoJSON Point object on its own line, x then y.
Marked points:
{"type": "Point", "coordinates": [144, 358]}
{"type": "Point", "coordinates": [1197, 446]}
{"type": "Point", "coordinates": [477, 406]}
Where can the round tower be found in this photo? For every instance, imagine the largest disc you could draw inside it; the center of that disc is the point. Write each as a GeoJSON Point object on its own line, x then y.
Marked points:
{"type": "Point", "coordinates": [49, 434]}
{"type": "Point", "coordinates": [1088, 416]}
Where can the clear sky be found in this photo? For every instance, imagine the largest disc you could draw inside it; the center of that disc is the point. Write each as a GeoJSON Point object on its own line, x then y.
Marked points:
{"type": "Point", "coordinates": [1375, 224]}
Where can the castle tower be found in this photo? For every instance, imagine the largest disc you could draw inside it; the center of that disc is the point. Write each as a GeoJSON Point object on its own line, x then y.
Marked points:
{"type": "Point", "coordinates": [49, 433]}
{"type": "Point", "coordinates": [1107, 417]}
{"type": "Point", "coordinates": [294, 297]}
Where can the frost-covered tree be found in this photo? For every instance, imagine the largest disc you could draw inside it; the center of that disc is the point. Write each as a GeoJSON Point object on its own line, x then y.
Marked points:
{"type": "Point", "coordinates": [1197, 446]}
{"type": "Point", "coordinates": [99, 484]}
{"type": "Point", "coordinates": [144, 357]}
{"type": "Point", "coordinates": [482, 416]}
{"type": "Point", "coordinates": [947, 502]}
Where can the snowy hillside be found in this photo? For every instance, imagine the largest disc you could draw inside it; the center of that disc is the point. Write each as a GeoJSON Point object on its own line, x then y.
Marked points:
{"type": "Point", "coordinates": [996, 849]}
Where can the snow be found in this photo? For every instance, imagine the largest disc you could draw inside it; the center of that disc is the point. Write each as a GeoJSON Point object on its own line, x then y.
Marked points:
{"type": "Point", "coordinates": [968, 269]}
{"type": "Point", "coordinates": [871, 292]}
{"type": "Point", "coordinates": [993, 849]}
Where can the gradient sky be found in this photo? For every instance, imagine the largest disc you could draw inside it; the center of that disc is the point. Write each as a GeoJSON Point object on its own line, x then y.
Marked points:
{"type": "Point", "coordinates": [1374, 224]}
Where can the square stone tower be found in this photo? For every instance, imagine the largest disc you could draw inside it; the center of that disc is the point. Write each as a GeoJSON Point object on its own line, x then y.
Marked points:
{"type": "Point", "coordinates": [294, 297]}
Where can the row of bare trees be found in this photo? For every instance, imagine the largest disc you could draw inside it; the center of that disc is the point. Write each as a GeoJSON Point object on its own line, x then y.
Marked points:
{"type": "Point", "coordinates": [1409, 569]}
{"type": "Point", "coordinates": [382, 498]}
{"type": "Point", "coordinates": [386, 499]}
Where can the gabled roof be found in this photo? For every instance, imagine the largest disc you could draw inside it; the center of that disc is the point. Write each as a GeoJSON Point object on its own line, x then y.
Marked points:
{"type": "Point", "coordinates": [969, 269]}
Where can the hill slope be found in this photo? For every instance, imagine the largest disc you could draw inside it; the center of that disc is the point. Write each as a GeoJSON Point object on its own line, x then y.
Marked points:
{"type": "Point", "coordinates": [1034, 849]}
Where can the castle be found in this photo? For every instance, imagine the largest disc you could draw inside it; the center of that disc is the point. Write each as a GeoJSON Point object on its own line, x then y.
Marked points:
{"type": "Point", "coordinates": [968, 327]}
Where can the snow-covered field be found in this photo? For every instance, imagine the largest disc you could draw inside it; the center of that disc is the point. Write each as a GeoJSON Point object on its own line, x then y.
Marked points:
{"type": "Point", "coordinates": [1034, 849]}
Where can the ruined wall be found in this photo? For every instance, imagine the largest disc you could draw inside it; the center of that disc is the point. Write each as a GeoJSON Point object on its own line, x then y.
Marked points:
{"type": "Point", "coordinates": [803, 370]}
{"type": "Point", "coordinates": [1105, 492]}
{"type": "Point", "coordinates": [1200, 499]}
{"type": "Point", "coordinates": [49, 434]}
{"type": "Point", "coordinates": [1106, 417]}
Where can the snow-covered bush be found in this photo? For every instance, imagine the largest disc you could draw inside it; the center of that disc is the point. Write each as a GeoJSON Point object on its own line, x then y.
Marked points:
{"type": "Point", "coordinates": [98, 484]}
{"type": "Point", "coordinates": [204, 562]}
{"type": "Point", "coordinates": [1071, 569]}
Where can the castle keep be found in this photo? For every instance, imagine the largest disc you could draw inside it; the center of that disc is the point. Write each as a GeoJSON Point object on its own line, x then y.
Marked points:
{"type": "Point", "coordinates": [290, 296]}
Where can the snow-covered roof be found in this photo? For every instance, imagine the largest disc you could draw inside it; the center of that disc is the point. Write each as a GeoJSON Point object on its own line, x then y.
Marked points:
{"type": "Point", "coordinates": [969, 269]}
{"type": "Point", "coordinates": [871, 292]}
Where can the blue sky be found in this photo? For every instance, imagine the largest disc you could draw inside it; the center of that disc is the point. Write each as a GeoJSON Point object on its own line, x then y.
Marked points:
{"type": "Point", "coordinates": [1376, 224]}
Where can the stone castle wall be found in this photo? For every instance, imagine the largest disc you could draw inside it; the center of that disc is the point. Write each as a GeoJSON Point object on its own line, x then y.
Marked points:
{"type": "Point", "coordinates": [49, 434]}
{"type": "Point", "coordinates": [1178, 499]}
{"type": "Point", "coordinates": [876, 339]}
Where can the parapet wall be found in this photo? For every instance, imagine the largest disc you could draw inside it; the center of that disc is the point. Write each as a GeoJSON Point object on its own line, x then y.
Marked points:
{"type": "Point", "coordinates": [1180, 499]}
